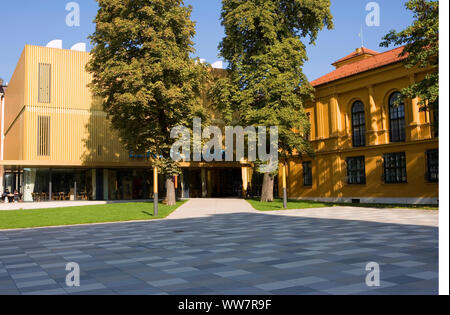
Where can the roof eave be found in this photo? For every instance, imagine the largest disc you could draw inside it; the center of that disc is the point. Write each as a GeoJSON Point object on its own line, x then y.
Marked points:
{"type": "Point", "coordinates": [358, 73]}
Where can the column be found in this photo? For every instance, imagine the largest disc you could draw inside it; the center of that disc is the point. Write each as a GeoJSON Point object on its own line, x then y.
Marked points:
{"type": "Point", "coordinates": [335, 113]}
{"type": "Point", "coordinates": [185, 183]}
{"type": "Point", "coordinates": [50, 186]}
{"type": "Point", "coordinates": [181, 183]}
{"type": "Point", "coordinates": [335, 117]}
{"type": "Point", "coordinates": [244, 171]}
{"type": "Point", "coordinates": [414, 125]}
{"type": "Point", "coordinates": [2, 171]}
{"type": "Point", "coordinates": [415, 110]}
{"type": "Point", "coordinates": [373, 118]}
{"type": "Point", "coordinates": [204, 187]}
{"type": "Point", "coordinates": [105, 185]}
{"type": "Point", "coordinates": [209, 183]}
{"type": "Point", "coordinates": [28, 184]}
{"type": "Point", "coordinates": [94, 184]}
{"type": "Point", "coordinates": [337, 176]}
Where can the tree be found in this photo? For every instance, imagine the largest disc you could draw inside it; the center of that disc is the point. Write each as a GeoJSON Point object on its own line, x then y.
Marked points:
{"type": "Point", "coordinates": [265, 53]}
{"type": "Point", "coordinates": [143, 72]}
{"type": "Point", "coordinates": [421, 49]}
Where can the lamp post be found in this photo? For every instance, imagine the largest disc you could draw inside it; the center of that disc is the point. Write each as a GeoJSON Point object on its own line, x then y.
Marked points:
{"type": "Point", "coordinates": [284, 187]}
{"type": "Point", "coordinates": [176, 185]}
{"type": "Point", "coordinates": [155, 191]}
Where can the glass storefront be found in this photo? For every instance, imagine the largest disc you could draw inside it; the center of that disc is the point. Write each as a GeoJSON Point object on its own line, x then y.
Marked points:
{"type": "Point", "coordinates": [64, 184]}
{"type": "Point", "coordinates": [72, 184]}
{"type": "Point", "coordinates": [128, 184]}
{"type": "Point", "coordinates": [13, 180]}
{"type": "Point", "coordinates": [44, 184]}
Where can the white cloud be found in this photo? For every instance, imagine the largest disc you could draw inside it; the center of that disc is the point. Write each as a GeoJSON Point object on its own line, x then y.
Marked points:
{"type": "Point", "coordinates": [79, 47]}
{"type": "Point", "coordinates": [217, 65]}
{"type": "Point", "coordinates": [56, 43]}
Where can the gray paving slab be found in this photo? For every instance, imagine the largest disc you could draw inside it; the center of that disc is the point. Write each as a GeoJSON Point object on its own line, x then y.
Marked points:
{"type": "Point", "coordinates": [229, 249]}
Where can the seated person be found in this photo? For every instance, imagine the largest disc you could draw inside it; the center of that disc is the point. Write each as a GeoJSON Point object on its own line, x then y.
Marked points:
{"type": "Point", "coordinates": [16, 196]}
{"type": "Point", "coordinates": [5, 195]}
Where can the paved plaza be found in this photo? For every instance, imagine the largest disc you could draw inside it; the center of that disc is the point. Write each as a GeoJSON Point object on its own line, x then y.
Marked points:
{"type": "Point", "coordinates": [220, 251]}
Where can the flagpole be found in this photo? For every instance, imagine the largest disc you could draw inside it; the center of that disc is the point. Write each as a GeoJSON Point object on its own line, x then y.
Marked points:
{"type": "Point", "coordinates": [362, 36]}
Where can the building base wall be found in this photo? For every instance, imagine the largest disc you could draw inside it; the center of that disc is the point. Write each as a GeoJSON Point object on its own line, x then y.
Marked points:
{"type": "Point", "coordinates": [366, 200]}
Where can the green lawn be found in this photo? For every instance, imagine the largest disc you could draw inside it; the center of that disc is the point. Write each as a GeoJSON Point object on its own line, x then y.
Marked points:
{"type": "Point", "coordinates": [117, 212]}
{"type": "Point", "coordinates": [277, 204]}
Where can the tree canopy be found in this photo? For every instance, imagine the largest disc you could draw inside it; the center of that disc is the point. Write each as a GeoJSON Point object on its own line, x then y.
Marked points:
{"type": "Point", "coordinates": [421, 41]}
{"type": "Point", "coordinates": [264, 47]}
{"type": "Point", "coordinates": [143, 72]}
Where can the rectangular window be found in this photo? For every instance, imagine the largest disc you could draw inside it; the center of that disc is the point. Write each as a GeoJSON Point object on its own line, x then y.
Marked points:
{"type": "Point", "coordinates": [307, 174]}
{"type": "Point", "coordinates": [395, 168]}
{"type": "Point", "coordinates": [433, 166]}
{"type": "Point", "coordinates": [43, 136]}
{"type": "Point", "coordinates": [44, 83]}
{"type": "Point", "coordinates": [356, 170]}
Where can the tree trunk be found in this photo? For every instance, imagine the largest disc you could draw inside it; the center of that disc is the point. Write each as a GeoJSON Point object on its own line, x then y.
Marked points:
{"type": "Point", "coordinates": [267, 188]}
{"type": "Point", "coordinates": [170, 192]}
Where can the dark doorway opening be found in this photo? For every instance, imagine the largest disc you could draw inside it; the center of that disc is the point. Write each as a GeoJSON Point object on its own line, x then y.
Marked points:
{"type": "Point", "coordinates": [218, 182]}
{"type": "Point", "coordinates": [226, 183]}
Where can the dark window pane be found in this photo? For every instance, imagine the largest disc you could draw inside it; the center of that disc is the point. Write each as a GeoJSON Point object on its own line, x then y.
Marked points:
{"type": "Point", "coordinates": [395, 168]}
{"type": "Point", "coordinates": [356, 170]}
{"type": "Point", "coordinates": [358, 124]}
{"type": "Point", "coordinates": [397, 124]}
{"type": "Point", "coordinates": [307, 174]}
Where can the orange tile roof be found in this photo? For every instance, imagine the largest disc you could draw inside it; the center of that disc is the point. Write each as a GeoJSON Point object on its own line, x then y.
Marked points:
{"type": "Point", "coordinates": [358, 52]}
{"type": "Point", "coordinates": [376, 61]}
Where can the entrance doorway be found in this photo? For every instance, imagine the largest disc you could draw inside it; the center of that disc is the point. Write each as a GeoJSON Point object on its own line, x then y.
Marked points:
{"type": "Point", "coordinates": [226, 183]}
{"type": "Point", "coordinates": [218, 182]}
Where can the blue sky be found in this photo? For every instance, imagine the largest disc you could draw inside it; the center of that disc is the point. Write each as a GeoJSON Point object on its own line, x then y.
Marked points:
{"type": "Point", "coordinates": [38, 22]}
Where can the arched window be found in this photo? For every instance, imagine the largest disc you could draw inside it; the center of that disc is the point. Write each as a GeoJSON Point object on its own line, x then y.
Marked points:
{"type": "Point", "coordinates": [358, 124]}
{"type": "Point", "coordinates": [397, 131]}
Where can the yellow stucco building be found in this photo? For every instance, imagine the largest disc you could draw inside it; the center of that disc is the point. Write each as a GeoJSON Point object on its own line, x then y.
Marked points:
{"type": "Point", "coordinates": [367, 149]}
{"type": "Point", "coordinates": [57, 142]}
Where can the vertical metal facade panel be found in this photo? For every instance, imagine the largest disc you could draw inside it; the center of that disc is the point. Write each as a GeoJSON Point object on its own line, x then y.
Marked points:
{"type": "Point", "coordinates": [13, 145]}
{"type": "Point", "coordinates": [68, 77]}
{"type": "Point", "coordinates": [15, 94]}
{"type": "Point", "coordinates": [78, 127]}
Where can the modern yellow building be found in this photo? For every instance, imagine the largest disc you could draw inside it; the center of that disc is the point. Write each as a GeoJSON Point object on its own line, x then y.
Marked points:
{"type": "Point", "coordinates": [366, 148]}
{"type": "Point", "coordinates": [57, 142]}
